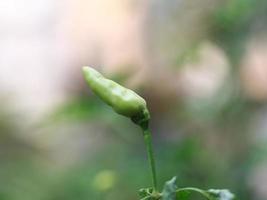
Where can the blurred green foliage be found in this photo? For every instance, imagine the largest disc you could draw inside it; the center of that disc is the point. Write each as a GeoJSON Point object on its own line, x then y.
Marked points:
{"type": "Point", "coordinates": [208, 145]}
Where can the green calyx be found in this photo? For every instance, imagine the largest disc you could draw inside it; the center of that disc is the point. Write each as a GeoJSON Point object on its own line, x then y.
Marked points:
{"type": "Point", "coordinates": [124, 101]}
{"type": "Point", "coordinates": [142, 119]}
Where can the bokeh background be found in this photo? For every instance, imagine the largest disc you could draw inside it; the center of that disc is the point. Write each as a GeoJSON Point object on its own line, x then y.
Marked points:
{"type": "Point", "coordinates": [201, 65]}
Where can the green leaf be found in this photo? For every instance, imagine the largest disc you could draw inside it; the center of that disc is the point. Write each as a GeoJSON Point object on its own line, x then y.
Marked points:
{"type": "Point", "coordinates": [221, 194]}
{"type": "Point", "coordinates": [169, 190]}
{"type": "Point", "coordinates": [212, 194]}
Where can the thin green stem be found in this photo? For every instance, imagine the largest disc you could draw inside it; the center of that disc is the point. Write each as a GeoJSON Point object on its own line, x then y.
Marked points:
{"type": "Point", "coordinates": [205, 194]}
{"type": "Point", "coordinates": [150, 154]}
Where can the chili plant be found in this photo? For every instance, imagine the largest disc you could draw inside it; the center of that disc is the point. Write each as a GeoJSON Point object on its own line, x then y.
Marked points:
{"type": "Point", "coordinates": [129, 104]}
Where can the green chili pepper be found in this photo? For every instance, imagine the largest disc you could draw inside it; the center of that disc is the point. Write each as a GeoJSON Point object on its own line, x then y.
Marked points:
{"type": "Point", "coordinates": [124, 101]}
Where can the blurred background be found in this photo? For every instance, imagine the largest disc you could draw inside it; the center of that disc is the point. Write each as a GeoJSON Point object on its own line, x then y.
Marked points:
{"type": "Point", "coordinates": [201, 66]}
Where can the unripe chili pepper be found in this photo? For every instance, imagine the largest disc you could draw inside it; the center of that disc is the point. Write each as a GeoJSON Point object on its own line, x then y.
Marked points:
{"type": "Point", "coordinates": [124, 101]}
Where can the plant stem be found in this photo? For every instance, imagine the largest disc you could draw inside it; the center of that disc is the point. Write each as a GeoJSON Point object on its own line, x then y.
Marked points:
{"type": "Point", "coordinates": [150, 154]}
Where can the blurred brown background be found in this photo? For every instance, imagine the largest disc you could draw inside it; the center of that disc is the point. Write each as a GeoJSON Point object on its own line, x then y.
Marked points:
{"type": "Point", "coordinates": [201, 66]}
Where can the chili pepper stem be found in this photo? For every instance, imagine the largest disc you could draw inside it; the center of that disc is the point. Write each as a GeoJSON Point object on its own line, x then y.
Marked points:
{"type": "Point", "coordinates": [150, 154]}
